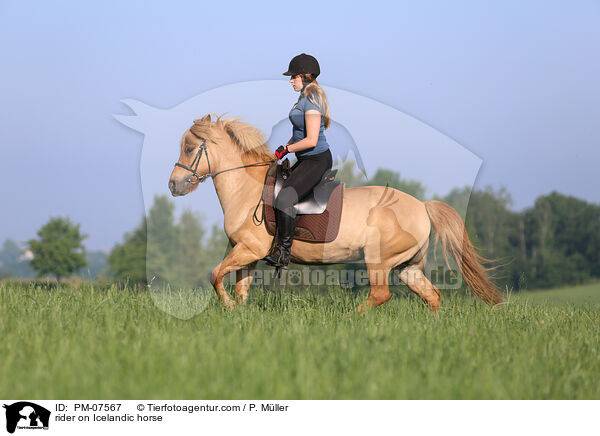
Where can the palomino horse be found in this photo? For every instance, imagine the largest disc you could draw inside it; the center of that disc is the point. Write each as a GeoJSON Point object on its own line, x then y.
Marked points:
{"type": "Point", "coordinates": [387, 228]}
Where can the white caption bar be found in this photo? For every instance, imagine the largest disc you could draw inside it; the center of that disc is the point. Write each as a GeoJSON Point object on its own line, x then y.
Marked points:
{"type": "Point", "coordinates": [262, 417]}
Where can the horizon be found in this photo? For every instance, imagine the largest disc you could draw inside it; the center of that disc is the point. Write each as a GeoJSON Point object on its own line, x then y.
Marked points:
{"type": "Point", "coordinates": [23, 244]}
{"type": "Point", "coordinates": [514, 84]}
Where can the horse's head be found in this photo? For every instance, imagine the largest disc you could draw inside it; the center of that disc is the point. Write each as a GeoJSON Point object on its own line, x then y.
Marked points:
{"type": "Point", "coordinates": [209, 148]}
{"type": "Point", "coordinates": [195, 161]}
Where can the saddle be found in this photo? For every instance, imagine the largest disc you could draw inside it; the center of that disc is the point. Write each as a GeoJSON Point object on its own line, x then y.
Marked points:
{"type": "Point", "coordinates": [318, 214]}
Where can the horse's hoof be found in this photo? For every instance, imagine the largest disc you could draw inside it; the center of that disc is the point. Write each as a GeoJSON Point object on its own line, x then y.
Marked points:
{"type": "Point", "coordinates": [230, 305]}
{"type": "Point", "coordinates": [241, 300]}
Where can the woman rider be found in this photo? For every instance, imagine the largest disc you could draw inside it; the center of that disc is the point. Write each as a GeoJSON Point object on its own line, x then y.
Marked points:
{"type": "Point", "coordinates": [309, 118]}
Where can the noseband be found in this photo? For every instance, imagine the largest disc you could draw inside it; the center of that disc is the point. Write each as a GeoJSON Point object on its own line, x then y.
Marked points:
{"type": "Point", "coordinates": [193, 168]}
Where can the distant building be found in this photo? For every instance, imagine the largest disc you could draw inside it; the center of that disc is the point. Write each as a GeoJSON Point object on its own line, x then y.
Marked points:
{"type": "Point", "coordinates": [26, 256]}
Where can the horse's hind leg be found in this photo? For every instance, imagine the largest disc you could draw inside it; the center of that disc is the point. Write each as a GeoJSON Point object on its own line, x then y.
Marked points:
{"type": "Point", "coordinates": [387, 245]}
{"type": "Point", "coordinates": [417, 282]}
{"type": "Point", "coordinates": [378, 275]}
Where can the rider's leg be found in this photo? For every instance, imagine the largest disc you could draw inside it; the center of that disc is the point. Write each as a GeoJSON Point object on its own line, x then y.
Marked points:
{"type": "Point", "coordinates": [272, 258]}
{"type": "Point", "coordinates": [307, 173]}
{"type": "Point", "coordinates": [286, 223]}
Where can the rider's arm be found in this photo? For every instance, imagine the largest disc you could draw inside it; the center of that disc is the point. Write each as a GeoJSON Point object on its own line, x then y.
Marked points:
{"type": "Point", "coordinates": [312, 121]}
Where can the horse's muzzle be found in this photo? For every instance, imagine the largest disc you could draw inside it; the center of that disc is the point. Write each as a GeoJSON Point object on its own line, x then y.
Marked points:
{"type": "Point", "coordinates": [178, 187]}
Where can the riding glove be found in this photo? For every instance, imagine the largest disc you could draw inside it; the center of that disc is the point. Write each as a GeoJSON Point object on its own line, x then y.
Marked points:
{"type": "Point", "coordinates": [281, 151]}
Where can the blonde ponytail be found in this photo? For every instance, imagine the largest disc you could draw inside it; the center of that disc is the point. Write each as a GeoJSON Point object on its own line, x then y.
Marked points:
{"type": "Point", "coordinates": [316, 95]}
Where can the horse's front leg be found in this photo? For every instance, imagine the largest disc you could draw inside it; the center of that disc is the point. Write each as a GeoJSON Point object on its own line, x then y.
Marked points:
{"type": "Point", "coordinates": [240, 256]}
{"type": "Point", "coordinates": [243, 279]}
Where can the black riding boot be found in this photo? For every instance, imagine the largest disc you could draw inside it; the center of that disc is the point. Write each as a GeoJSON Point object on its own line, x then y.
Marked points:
{"type": "Point", "coordinates": [286, 237]}
{"type": "Point", "coordinates": [280, 257]}
{"type": "Point", "coordinates": [273, 255]}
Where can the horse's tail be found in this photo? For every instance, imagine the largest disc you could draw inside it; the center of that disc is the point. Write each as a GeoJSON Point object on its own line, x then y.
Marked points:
{"type": "Point", "coordinates": [450, 229]}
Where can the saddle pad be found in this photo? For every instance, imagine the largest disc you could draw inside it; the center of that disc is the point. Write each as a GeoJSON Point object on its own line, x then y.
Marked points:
{"type": "Point", "coordinates": [322, 227]}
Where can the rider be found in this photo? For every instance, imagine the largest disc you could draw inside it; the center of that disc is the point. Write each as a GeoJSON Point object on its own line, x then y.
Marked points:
{"type": "Point", "coordinates": [309, 118]}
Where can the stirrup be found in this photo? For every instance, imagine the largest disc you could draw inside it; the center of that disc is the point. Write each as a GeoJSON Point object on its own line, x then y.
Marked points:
{"type": "Point", "coordinates": [278, 255]}
{"type": "Point", "coordinates": [278, 270]}
{"type": "Point", "coordinates": [274, 253]}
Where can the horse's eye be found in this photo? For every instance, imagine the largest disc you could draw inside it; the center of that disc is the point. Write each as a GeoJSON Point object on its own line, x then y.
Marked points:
{"type": "Point", "coordinates": [188, 150]}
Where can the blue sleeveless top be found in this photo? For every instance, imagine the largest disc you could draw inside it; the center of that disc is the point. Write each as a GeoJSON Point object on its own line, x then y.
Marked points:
{"type": "Point", "coordinates": [299, 129]}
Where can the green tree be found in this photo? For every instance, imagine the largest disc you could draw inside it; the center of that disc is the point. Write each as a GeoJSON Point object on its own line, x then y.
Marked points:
{"type": "Point", "coordinates": [458, 198]}
{"type": "Point", "coordinates": [563, 240]}
{"type": "Point", "coordinates": [10, 252]}
{"type": "Point", "coordinates": [162, 241]}
{"type": "Point", "coordinates": [13, 263]}
{"type": "Point", "coordinates": [190, 249]}
{"type": "Point", "coordinates": [347, 173]}
{"type": "Point", "coordinates": [161, 249]}
{"type": "Point", "coordinates": [59, 250]}
{"type": "Point", "coordinates": [494, 229]}
{"type": "Point", "coordinates": [150, 249]}
{"type": "Point", "coordinates": [392, 179]}
{"type": "Point", "coordinates": [492, 220]}
{"type": "Point", "coordinates": [127, 261]}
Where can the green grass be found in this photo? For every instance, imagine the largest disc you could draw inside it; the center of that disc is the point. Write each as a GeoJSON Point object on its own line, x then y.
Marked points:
{"type": "Point", "coordinates": [578, 295]}
{"type": "Point", "coordinates": [88, 343]}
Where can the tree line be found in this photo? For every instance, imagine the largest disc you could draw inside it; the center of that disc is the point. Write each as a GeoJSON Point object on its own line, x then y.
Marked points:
{"type": "Point", "coordinates": [163, 248]}
{"type": "Point", "coordinates": [554, 242]}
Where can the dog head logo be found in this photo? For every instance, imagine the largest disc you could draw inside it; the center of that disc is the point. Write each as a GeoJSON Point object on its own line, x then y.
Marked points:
{"type": "Point", "coordinates": [26, 415]}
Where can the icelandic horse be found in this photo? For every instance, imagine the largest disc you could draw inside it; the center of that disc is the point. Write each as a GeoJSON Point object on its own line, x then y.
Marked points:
{"type": "Point", "coordinates": [386, 228]}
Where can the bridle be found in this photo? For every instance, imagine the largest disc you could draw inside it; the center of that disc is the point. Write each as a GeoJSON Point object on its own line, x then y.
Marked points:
{"type": "Point", "coordinates": [193, 168]}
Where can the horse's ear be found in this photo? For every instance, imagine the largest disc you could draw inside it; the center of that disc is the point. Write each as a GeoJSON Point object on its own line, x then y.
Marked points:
{"type": "Point", "coordinates": [206, 118]}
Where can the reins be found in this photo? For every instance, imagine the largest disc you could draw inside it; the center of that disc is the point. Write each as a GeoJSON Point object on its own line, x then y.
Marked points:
{"type": "Point", "coordinates": [193, 168]}
{"type": "Point", "coordinates": [255, 220]}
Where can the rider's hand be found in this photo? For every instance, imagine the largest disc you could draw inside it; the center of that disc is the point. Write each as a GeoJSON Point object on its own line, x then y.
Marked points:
{"type": "Point", "coordinates": [281, 151]}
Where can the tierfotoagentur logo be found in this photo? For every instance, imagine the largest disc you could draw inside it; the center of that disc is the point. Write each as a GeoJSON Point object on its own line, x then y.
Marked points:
{"type": "Point", "coordinates": [25, 415]}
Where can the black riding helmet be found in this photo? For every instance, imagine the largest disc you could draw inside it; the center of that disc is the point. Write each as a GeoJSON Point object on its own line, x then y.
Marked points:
{"type": "Point", "coordinates": [303, 64]}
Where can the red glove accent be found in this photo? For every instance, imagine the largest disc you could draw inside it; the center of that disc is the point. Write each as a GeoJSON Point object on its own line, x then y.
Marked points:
{"type": "Point", "coordinates": [281, 151]}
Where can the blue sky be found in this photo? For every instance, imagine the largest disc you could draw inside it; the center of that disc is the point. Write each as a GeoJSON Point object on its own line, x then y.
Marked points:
{"type": "Point", "coordinates": [516, 83]}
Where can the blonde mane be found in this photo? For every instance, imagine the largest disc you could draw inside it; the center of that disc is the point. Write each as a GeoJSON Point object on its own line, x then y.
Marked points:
{"type": "Point", "coordinates": [247, 138]}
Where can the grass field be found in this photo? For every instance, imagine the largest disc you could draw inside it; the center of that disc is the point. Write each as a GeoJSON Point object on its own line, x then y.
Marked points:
{"type": "Point", "coordinates": [579, 295]}
{"type": "Point", "coordinates": [89, 343]}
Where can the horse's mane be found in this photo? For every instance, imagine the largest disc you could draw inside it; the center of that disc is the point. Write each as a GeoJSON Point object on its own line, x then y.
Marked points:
{"type": "Point", "coordinates": [246, 137]}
